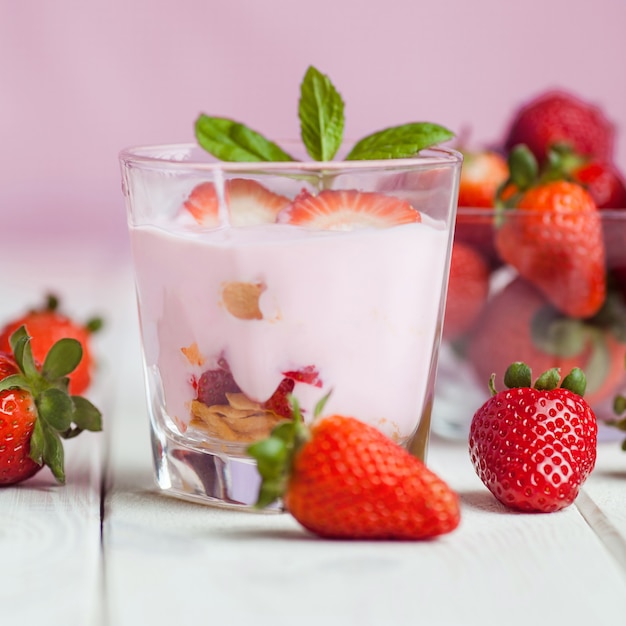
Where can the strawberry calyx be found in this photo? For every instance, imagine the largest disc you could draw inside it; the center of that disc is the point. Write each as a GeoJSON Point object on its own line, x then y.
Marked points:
{"type": "Point", "coordinates": [519, 376]}
{"type": "Point", "coordinates": [59, 414]}
{"type": "Point", "coordinates": [274, 455]}
{"type": "Point", "coordinates": [53, 305]}
{"type": "Point", "coordinates": [523, 174]}
{"type": "Point", "coordinates": [562, 163]}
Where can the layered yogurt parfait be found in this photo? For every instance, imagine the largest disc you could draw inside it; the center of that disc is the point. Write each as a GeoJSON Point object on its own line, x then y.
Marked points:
{"type": "Point", "coordinates": [259, 282]}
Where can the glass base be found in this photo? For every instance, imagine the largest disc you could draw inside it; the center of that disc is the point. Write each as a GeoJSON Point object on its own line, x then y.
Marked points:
{"type": "Point", "coordinates": [209, 476]}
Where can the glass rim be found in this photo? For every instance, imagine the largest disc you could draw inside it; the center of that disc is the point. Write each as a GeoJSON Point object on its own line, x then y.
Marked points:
{"type": "Point", "coordinates": [143, 155]}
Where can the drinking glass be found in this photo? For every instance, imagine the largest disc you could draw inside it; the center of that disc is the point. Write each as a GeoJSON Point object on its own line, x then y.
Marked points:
{"type": "Point", "coordinates": [240, 311]}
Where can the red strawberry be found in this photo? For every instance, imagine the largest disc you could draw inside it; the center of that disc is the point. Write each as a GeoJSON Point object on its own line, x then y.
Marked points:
{"type": "Point", "coordinates": [36, 411]}
{"type": "Point", "coordinates": [279, 402]}
{"type": "Point", "coordinates": [467, 290]}
{"type": "Point", "coordinates": [213, 385]}
{"type": "Point", "coordinates": [8, 366]}
{"type": "Point", "coordinates": [17, 421]}
{"type": "Point", "coordinates": [307, 374]}
{"type": "Point", "coordinates": [248, 202]}
{"type": "Point", "coordinates": [46, 326]}
{"type": "Point", "coordinates": [348, 480]}
{"type": "Point", "coordinates": [347, 210]}
{"type": "Point", "coordinates": [555, 241]}
{"type": "Point", "coordinates": [560, 117]}
{"type": "Point", "coordinates": [533, 447]}
{"type": "Point", "coordinates": [482, 175]}
{"type": "Point", "coordinates": [518, 323]}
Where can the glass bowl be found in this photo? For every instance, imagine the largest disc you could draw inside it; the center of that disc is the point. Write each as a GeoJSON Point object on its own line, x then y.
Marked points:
{"type": "Point", "coordinates": [499, 312]}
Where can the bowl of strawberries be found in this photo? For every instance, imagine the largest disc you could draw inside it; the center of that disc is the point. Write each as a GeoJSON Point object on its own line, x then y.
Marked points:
{"type": "Point", "coordinates": [538, 269]}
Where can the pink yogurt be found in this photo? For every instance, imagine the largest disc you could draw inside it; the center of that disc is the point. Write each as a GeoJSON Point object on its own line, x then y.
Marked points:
{"type": "Point", "coordinates": [362, 307]}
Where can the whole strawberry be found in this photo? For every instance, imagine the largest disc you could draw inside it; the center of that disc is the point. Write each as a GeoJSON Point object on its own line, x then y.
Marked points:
{"type": "Point", "coordinates": [534, 446]}
{"type": "Point", "coordinates": [482, 174]}
{"type": "Point", "coordinates": [36, 410]}
{"type": "Point", "coordinates": [45, 326]}
{"type": "Point", "coordinates": [555, 239]}
{"type": "Point", "coordinates": [345, 479]}
{"type": "Point", "coordinates": [561, 117]}
{"type": "Point", "coordinates": [519, 323]}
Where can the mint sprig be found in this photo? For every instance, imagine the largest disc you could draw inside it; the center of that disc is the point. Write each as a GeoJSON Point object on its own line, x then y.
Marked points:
{"type": "Point", "coordinates": [59, 415]}
{"type": "Point", "coordinates": [322, 121]}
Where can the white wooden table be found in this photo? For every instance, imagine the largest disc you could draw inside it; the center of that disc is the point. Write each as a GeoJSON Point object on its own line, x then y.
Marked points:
{"type": "Point", "coordinates": [108, 549]}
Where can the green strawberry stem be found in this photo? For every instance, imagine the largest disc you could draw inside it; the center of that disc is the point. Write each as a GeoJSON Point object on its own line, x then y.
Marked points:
{"type": "Point", "coordinates": [519, 375]}
{"type": "Point", "coordinates": [523, 174]}
{"type": "Point", "coordinates": [59, 415]}
{"type": "Point", "coordinates": [275, 454]}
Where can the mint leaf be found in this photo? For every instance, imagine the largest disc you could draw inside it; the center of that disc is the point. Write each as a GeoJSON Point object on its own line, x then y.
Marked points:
{"type": "Point", "coordinates": [399, 142]}
{"type": "Point", "coordinates": [321, 116]}
{"type": "Point", "coordinates": [231, 141]}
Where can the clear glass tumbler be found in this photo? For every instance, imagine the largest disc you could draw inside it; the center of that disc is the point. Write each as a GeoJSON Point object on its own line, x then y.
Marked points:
{"type": "Point", "coordinates": [241, 308]}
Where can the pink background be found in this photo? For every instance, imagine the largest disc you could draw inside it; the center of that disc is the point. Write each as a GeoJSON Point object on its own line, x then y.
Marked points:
{"type": "Point", "coordinates": [80, 79]}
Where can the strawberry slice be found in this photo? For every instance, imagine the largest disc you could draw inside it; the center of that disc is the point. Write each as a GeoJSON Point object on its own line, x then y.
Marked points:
{"type": "Point", "coordinates": [215, 384]}
{"type": "Point", "coordinates": [347, 210]}
{"type": "Point", "coordinates": [248, 202]}
{"type": "Point", "coordinates": [307, 374]}
{"type": "Point", "coordinates": [279, 401]}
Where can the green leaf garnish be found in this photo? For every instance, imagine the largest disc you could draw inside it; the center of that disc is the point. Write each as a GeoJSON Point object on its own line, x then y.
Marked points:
{"type": "Point", "coordinates": [322, 121]}
{"type": "Point", "coordinates": [231, 141]}
{"type": "Point", "coordinates": [399, 141]}
{"type": "Point", "coordinates": [321, 116]}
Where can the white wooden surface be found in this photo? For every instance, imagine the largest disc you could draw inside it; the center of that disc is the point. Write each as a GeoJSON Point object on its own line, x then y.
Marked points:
{"type": "Point", "coordinates": [156, 560]}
